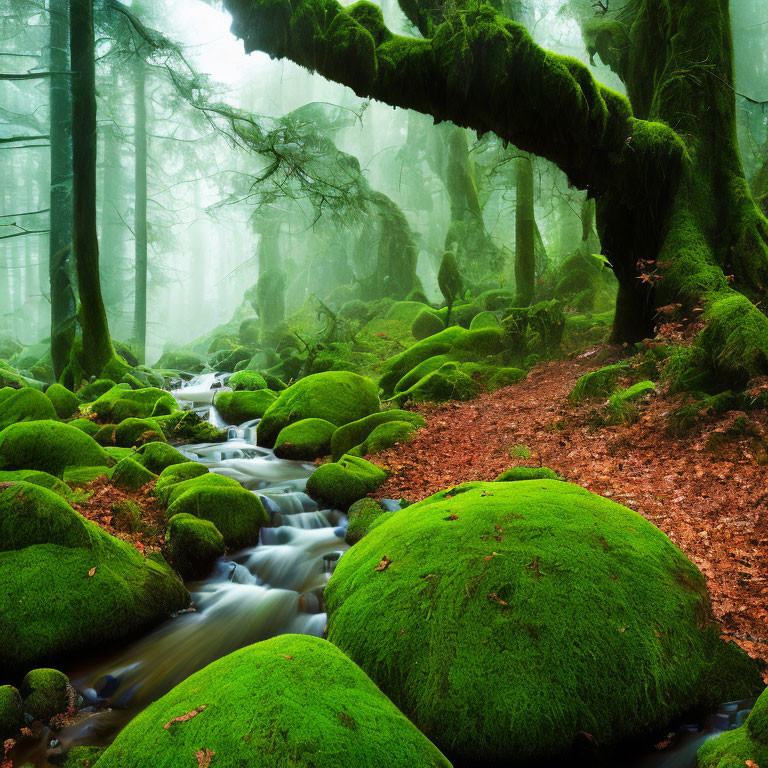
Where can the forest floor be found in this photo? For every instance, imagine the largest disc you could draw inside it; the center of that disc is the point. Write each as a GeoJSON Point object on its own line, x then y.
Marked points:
{"type": "Point", "coordinates": [713, 504]}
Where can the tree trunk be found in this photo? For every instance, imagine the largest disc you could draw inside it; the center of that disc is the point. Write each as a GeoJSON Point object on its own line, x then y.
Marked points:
{"type": "Point", "coordinates": [270, 288]}
{"type": "Point", "coordinates": [525, 224]}
{"type": "Point", "coordinates": [60, 240]}
{"type": "Point", "coordinates": [140, 212]}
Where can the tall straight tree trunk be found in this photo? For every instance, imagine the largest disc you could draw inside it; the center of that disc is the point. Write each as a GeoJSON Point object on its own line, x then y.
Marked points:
{"type": "Point", "coordinates": [60, 241]}
{"type": "Point", "coordinates": [140, 210]}
{"type": "Point", "coordinates": [112, 228]}
{"type": "Point", "coordinates": [525, 227]}
{"type": "Point", "coordinates": [97, 351]}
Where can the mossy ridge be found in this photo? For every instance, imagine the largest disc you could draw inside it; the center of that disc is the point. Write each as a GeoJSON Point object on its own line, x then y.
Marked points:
{"type": "Point", "coordinates": [507, 617]}
{"type": "Point", "coordinates": [43, 479]}
{"type": "Point", "coordinates": [515, 474]}
{"type": "Point", "coordinates": [158, 456]}
{"type": "Point", "coordinates": [339, 484]}
{"type": "Point", "coordinates": [25, 404]}
{"type": "Point", "coordinates": [121, 402]}
{"type": "Point", "coordinates": [323, 708]}
{"type": "Point", "coordinates": [350, 435]}
{"type": "Point", "coordinates": [176, 473]}
{"type": "Point", "coordinates": [305, 440]}
{"type": "Point", "coordinates": [238, 407]}
{"type": "Point", "coordinates": [130, 475]}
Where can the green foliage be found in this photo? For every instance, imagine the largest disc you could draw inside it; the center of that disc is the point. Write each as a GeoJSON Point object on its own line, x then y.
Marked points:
{"type": "Point", "coordinates": [292, 700]}
{"type": "Point", "coordinates": [82, 757]}
{"type": "Point", "coordinates": [305, 440]}
{"type": "Point", "coordinates": [26, 404]}
{"type": "Point", "coordinates": [622, 406]}
{"type": "Point", "coordinates": [65, 402]}
{"type": "Point", "coordinates": [598, 384]}
{"type": "Point", "coordinates": [193, 545]}
{"type": "Point", "coordinates": [504, 618]}
{"type": "Point", "coordinates": [11, 712]}
{"type": "Point", "coordinates": [514, 474]}
{"type": "Point", "coordinates": [46, 693]}
{"type": "Point", "coordinates": [356, 432]}
{"type": "Point", "coordinates": [586, 283]}
{"type": "Point", "coordinates": [48, 446]}
{"type": "Point", "coordinates": [238, 407]}
{"type": "Point", "coordinates": [339, 484]}
{"type": "Point", "coordinates": [121, 403]}
{"type": "Point", "coordinates": [130, 475]}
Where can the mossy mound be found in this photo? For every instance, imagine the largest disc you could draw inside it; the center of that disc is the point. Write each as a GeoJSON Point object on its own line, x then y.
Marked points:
{"type": "Point", "coordinates": [85, 425]}
{"type": "Point", "coordinates": [78, 477]}
{"type": "Point", "coordinates": [48, 446]}
{"type": "Point", "coordinates": [95, 389]}
{"type": "Point", "coordinates": [248, 381]}
{"type": "Point", "coordinates": [484, 320]}
{"type": "Point", "coordinates": [177, 473]}
{"type": "Point", "coordinates": [361, 515]}
{"type": "Point", "coordinates": [237, 407]}
{"type": "Point", "coordinates": [622, 405]}
{"type": "Point", "coordinates": [168, 493]}
{"type": "Point", "coordinates": [65, 402]}
{"type": "Point", "coordinates": [339, 484]}
{"type": "Point", "coordinates": [193, 545]}
{"type": "Point", "coordinates": [66, 585]}
{"type": "Point", "coordinates": [293, 700]}
{"type": "Point", "coordinates": [237, 513]}
{"type": "Point", "coordinates": [505, 618]}
{"type": "Point", "coordinates": [384, 437]}
{"type": "Point", "coordinates": [26, 404]}
{"type": "Point", "coordinates": [130, 475]}
{"type": "Point", "coordinates": [598, 384]}
{"type": "Point", "coordinates": [121, 402]}
{"type": "Point", "coordinates": [158, 456]}
{"type": "Point", "coordinates": [82, 757]}
{"type": "Point", "coordinates": [747, 745]}
{"type": "Point", "coordinates": [448, 382]}
{"type": "Point", "coordinates": [130, 432]}
{"type": "Point", "coordinates": [105, 435]}
{"type": "Point", "coordinates": [305, 440]}
{"type": "Point", "coordinates": [189, 427]}
{"type": "Point", "coordinates": [426, 324]}
{"type": "Point", "coordinates": [43, 479]}
{"type": "Point", "coordinates": [11, 712]}
{"type": "Point", "coordinates": [514, 474]}
{"type": "Point", "coordinates": [182, 360]}
{"type": "Point", "coordinates": [353, 434]}
{"type": "Point", "coordinates": [46, 692]}
{"type": "Point", "coordinates": [336, 396]}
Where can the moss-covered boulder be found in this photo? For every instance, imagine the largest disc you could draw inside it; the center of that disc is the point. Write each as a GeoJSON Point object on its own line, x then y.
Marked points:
{"type": "Point", "coordinates": [65, 402]}
{"type": "Point", "coordinates": [245, 405]}
{"type": "Point", "coordinates": [598, 384]}
{"type": "Point", "coordinates": [43, 479]}
{"type": "Point", "coordinates": [48, 446]}
{"type": "Point", "coordinates": [513, 474]}
{"type": "Point", "coordinates": [339, 484]}
{"type": "Point", "coordinates": [336, 396]}
{"type": "Point", "coordinates": [182, 360]}
{"type": "Point", "coordinates": [85, 425]}
{"type": "Point", "coordinates": [67, 586]}
{"type": "Point", "coordinates": [25, 404]}
{"type": "Point", "coordinates": [745, 746]}
{"type": "Point", "coordinates": [158, 456]}
{"type": "Point", "coordinates": [11, 712]}
{"type": "Point", "coordinates": [448, 382]}
{"type": "Point", "coordinates": [105, 435]}
{"type": "Point", "coordinates": [384, 436]}
{"type": "Point", "coordinates": [293, 700]}
{"type": "Point", "coordinates": [121, 402]}
{"type": "Point", "coordinates": [506, 618]}
{"type": "Point", "coordinates": [305, 440]}
{"type": "Point", "coordinates": [361, 516]}
{"type": "Point", "coordinates": [46, 692]}
{"type": "Point", "coordinates": [167, 494]}
{"type": "Point", "coordinates": [81, 757]}
{"type": "Point", "coordinates": [130, 432]}
{"type": "Point", "coordinates": [95, 389]}
{"type": "Point", "coordinates": [189, 427]}
{"type": "Point", "coordinates": [247, 381]}
{"type": "Point", "coordinates": [426, 324]}
{"type": "Point", "coordinates": [237, 513]}
{"type": "Point", "coordinates": [176, 473]}
{"type": "Point", "coordinates": [350, 435]}
{"type": "Point", "coordinates": [193, 545]}
{"type": "Point", "coordinates": [130, 475]}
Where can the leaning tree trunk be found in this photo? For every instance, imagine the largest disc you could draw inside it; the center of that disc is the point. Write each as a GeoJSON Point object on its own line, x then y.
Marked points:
{"type": "Point", "coordinates": [97, 356]}
{"type": "Point", "coordinates": [525, 231]}
{"type": "Point", "coordinates": [140, 212]}
{"type": "Point", "coordinates": [60, 240]}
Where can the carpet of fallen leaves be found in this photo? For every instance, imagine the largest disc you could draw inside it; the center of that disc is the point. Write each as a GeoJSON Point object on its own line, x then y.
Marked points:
{"type": "Point", "coordinates": [713, 505]}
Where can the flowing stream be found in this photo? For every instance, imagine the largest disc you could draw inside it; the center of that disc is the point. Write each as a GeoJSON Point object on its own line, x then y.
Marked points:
{"type": "Point", "coordinates": [270, 589]}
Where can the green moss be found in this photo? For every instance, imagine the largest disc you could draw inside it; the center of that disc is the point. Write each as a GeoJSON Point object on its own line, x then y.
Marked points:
{"type": "Point", "coordinates": [237, 407]}
{"type": "Point", "coordinates": [247, 380]}
{"type": "Point", "coordinates": [505, 618]}
{"type": "Point", "coordinates": [336, 396]}
{"type": "Point", "coordinates": [43, 479]}
{"type": "Point", "coordinates": [65, 402]}
{"type": "Point", "coordinates": [484, 320]}
{"type": "Point", "coordinates": [360, 515]}
{"type": "Point", "coordinates": [95, 389]}
{"type": "Point", "coordinates": [384, 436]}
{"type": "Point", "coordinates": [120, 403]}
{"type": "Point", "coordinates": [67, 586]}
{"type": "Point", "coordinates": [105, 435]}
{"type": "Point", "coordinates": [339, 484]}
{"type": "Point", "coordinates": [130, 475]}
{"type": "Point", "coordinates": [82, 757]}
{"type": "Point", "coordinates": [157, 456]}
{"type": "Point", "coordinates": [81, 476]}
{"type": "Point", "coordinates": [182, 360]}
{"type": "Point", "coordinates": [293, 700]}
{"type": "Point", "coordinates": [130, 432]}
{"type": "Point", "coordinates": [26, 404]}
{"type": "Point", "coordinates": [85, 425]}
{"type": "Point", "coordinates": [350, 435]}
{"type": "Point", "coordinates": [237, 513]}
{"type": "Point", "coordinates": [170, 492]}
{"type": "Point", "coordinates": [538, 329]}
{"type": "Point", "coordinates": [419, 371]}
{"type": "Point", "coordinates": [514, 474]}
{"type": "Point", "coordinates": [11, 712]}
{"type": "Point", "coordinates": [427, 323]}
{"type": "Point", "coordinates": [306, 440]}
{"type": "Point", "coordinates": [188, 426]}
{"type": "Point", "coordinates": [586, 331]}
{"type": "Point", "coordinates": [734, 749]}
{"type": "Point", "coordinates": [46, 692]}
{"type": "Point", "coordinates": [48, 446]}
{"type": "Point", "coordinates": [622, 406]}
{"type": "Point", "coordinates": [446, 383]}
{"type": "Point", "coordinates": [177, 473]}
{"type": "Point", "coordinates": [193, 545]}
{"type": "Point", "coordinates": [598, 384]}
{"type": "Point", "coordinates": [406, 312]}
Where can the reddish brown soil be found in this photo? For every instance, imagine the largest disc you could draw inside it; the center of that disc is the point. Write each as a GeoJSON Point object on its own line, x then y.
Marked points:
{"type": "Point", "coordinates": [713, 505]}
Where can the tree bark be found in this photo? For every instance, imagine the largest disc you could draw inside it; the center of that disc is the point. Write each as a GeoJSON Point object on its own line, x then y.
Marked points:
{"type": "Point", "coordinates": [140, 211]}
{"type": "Point", "coordinates": [525, 226]}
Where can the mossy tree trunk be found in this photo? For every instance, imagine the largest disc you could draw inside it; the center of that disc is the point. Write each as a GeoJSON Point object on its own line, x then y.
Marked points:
{"type": "Point", "coordinates": [270, 287]}
{"type": "Point", "coordinates": [140, 209]}
{"type": "Point", "coordinates": [525, 231]}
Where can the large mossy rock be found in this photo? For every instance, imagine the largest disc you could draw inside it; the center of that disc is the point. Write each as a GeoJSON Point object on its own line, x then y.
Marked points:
{"type": "Point", "coordinates": [159, 456]}
{"type": "Point", "coordinates": [46, 692]}
{"type": "Point", "coordinates": [336, 396]}
{"type": "Point", "coordinates": [506, 618]}
{"type": "Point", "coordinates": [244, 405]}
{"type": "Point", "coordinates": [130, 475]}
{"type": "Point", "coordinates": [121, 402]}
{"type": "Point", "coordinates": [305, 440]}
{"type": "Point", "coordinates": [598, 384]}
{"type": "Point", "coordinates": [67, 586]}
{"type": "Point", "coordinates": [339, 484]}
{"type": "Point", "coordinates": [448, 382]}
{"type": "Point", "coordinates": [130, 432]}
{"type": "Point", "coordinates": [65, 402]}
{"type": "Point", "coordinates": [26, 404]}
{"type": "Point", "coordinates": [177, 473]}
{"type": "Point", "coordinates": [293, 701]}
{"type": "Point", "coordinates": [353, 434]}
{"type": "Point", "coordinates": [746, 746]}
{"type": "Point", "coordinates": [193, 545]}
{"type": "Point", "coordinates": [49, 446]}
{"type": "Point", "coordinates": [11, 712]}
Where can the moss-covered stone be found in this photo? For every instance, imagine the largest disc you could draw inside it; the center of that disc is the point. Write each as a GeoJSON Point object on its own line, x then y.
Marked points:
{"type": "Point", "coordinates": [339, 484]}
{"type": "Point", "coordinates": [427, 323]}
{"type": "Point", "coordinates": [95, 389]}
{"type": "Point", "coordinates": [11, 712]}
{"type": "Point", "coordinates": [513, 474]}
{"type": "Point", "coordinates": [43, 479]}
{"type": "Point", "coordinates": [448, 382]}
{"type": "Point", "coordinates": [25, 404]}
{"type": "Point", "coordinates": [48, 446]}
{"type": "Point", "coordinates": [46, 692]}
{"type": "Point", "coordinates": [79, 477]}
{"type": "Point", "coordinates": [130, 432]}
{"type": "Point", "coordinates": [189, 427]}
{"type": "Point", "coordinates": [350, 435]}
{"type": "Point", "coordinates": [177, 473]}
{"type": "Point", "coordinates": [622, 405]}
{"type": "Point", "coordinates": [66, 585]}
{"type": "Point", "coordinates": [182, 360]}
{"type": "Point", "coordinates": [484, 320]}
{"type": "Point", "coordinates": [248, 381]}
{"type": "Point", "coordinates": [505, 618]}
{"type": "Point", "coordinates": [237, 407]}
{"type": "Point", "coordinates": [384, 436]}
{"type": "Point", "coordinates": [336, 396]}
{"type": "Point", "coordinates": [85, 425]}
{"type": "Point", "coordinates": [360, 515]}
{"type": "Point", "coordinates": [598, 384]}
{"type": "Point", "coordinates": [130, 475]}
{"type": "Point", "coordinates": [158, 456]}
{"type": "Point", "coordinates": [105, 435]}
{"type": "Point", "coordinates": [193, 545]}
{"type": "Point", "coordinates": [745, 746]}
{"type": "Point", "coordinates": [121, 402]}
{"type": "Point", "coordinates": [65, 402]}
{"type": "Point", "coordinates": [293, 700]}
{"type": "Point", "coordinates": [305, 440]}
{"type": "Point", "coordinates": [82, 757]}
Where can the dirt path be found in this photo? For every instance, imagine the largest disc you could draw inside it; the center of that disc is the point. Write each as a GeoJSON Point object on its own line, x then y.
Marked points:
{"type": "Point", "coordinates": [714, 506]}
